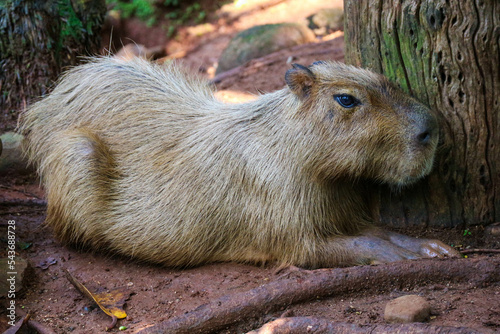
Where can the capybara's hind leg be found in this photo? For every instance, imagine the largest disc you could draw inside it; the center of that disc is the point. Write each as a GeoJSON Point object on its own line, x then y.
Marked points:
{"type": "Point", "coordinates": [79, 172]}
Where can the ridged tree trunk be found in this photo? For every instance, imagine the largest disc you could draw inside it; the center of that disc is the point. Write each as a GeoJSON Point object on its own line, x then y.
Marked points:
{"type": "Point", "coordinates": [445, 53]}
{"type": "Point", "coordinates": [37, 39]}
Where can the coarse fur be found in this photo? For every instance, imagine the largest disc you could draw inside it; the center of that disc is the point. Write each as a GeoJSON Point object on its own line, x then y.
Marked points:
{"type": "Point", "coordinates": [142, 159]}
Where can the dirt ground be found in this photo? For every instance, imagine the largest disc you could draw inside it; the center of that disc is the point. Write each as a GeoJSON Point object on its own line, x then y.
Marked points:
{"type": "Point", "coordinates": [158, 293]}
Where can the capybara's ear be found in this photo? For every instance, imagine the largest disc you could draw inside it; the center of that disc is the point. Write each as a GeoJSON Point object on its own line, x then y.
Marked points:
{"type": "Point", "coordinates": [300, 80]}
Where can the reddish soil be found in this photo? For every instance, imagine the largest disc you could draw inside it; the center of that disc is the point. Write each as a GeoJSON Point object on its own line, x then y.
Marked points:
{"type": "Point", "coordinates": [158, 293]}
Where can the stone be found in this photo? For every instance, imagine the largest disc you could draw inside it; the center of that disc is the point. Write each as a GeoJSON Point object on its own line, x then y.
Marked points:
{"type": "Point", "coordinates": [262, 40]}
{"type": "Point", "coordinates": [326, 20]}
{"type": "Point", "coordinates": [411, 308]}
{"type": "Point", "coordinates": [11, 156]}
{"type": "Point", "coordinates": [14, 276]}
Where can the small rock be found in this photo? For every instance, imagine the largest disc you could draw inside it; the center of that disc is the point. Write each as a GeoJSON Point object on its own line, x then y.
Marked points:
{"type": "Point", "coordinates": [14, 275]}
{"type": "Point", "coordinates": [12, 157]}
{"type": "Point", "coordinates": [262, 40]}
{"type": "Point", "coordinates": [411, 308]}
{"type": "Point", "coordinates": [326, 21]}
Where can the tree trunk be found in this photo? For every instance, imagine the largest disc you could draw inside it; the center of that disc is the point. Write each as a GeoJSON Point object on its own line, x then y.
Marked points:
{"type": "Point", "coordinates": [38, 38]}
{"type": "Point", "coordinates": [446, 54]}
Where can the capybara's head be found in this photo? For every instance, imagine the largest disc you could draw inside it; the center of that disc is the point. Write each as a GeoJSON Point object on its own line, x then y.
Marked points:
{"type": "Point", "coordinates": [367, 127]}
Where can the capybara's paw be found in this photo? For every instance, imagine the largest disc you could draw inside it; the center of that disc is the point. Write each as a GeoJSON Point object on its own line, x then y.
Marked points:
{"type": "Point", "coordinates": [378, 246]}
{"type": "Point", "coordinates": [436, 248]}
{"type": "Point", "coordinates": [424, 247]}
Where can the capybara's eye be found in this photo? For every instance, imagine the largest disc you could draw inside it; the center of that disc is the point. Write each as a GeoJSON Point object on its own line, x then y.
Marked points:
{"type": "Point", "coordinates": [346, 100]}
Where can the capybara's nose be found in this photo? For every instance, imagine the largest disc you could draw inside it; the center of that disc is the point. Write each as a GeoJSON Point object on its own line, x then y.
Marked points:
{"type": "Point", "coordinates": [424, 137]}
{"type": "Point", "coordinates": [427, 130]}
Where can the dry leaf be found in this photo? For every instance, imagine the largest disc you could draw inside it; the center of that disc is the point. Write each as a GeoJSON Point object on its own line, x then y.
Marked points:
{"type": "Point", "coordinates": [110, 302]}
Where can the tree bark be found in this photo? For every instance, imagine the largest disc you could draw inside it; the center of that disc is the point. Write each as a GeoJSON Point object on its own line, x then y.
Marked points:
{"type": "Point", "coordinates": [38, 38]}
{"type": "Point", "coordinates": [446, 54]}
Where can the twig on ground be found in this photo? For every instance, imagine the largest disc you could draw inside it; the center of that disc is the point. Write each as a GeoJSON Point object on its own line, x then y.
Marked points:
{"type": "Point", "coordinates": [15, 328]}
{"type": "Point", "coordinates": [35, 325]}
{"type": "Point", "coordinates": [480, 250]}
{"type": "Point", "coordinates": [24, 202]}
{"type": "Point", "coordinates": [22, 212]}
{"type": "Point", "coordinates": [41, 329]}
{"type": "Point", "coordinates": [20, 191]}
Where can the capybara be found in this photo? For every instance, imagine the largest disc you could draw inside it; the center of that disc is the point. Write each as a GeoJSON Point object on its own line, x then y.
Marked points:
{"type": "Point", "coordinates": [142, 159]}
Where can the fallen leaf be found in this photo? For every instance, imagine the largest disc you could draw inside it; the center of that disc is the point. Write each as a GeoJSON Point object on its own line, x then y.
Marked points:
{"type": "Point", "coordinates": [111, 302]}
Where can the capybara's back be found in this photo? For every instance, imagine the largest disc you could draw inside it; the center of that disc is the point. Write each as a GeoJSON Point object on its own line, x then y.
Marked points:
{"type": "Point", "coordinates": [143, 160]}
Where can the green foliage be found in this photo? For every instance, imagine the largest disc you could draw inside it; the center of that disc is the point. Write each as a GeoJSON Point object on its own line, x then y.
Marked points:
{"type": "Point", "coordinates": [142, 9]}
{"type": "Point", "coordinates": [171, 2]}
{"type": "Point", "coordinates": [78, 20]}
{"type": "Point", "coordinates": [180, 16]}
{"type": "Point", "coordinates": [146, 11]}
{"type": "Point", "coordinates": [71, 25]}
{"type": "Point", "coordinates": [467, 233]}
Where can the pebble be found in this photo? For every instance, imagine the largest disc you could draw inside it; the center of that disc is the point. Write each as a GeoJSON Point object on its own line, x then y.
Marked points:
{"type": "Point", "coordinates": [411, 308]}
{"type": "Point", "coordinates": [12, 157]}
{"type": "Point", "coordinates": [14, 276]}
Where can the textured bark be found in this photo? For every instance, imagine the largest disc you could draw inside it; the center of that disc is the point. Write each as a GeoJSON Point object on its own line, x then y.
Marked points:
{"type": "Point", "coordinates": [445, 53]}
{"type": "Point", "coordinates": [38, 38]}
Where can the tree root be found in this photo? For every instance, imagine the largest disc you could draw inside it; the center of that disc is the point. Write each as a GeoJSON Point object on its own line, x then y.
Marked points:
{"type": "Point", "coordinates": [35, 325]}
{"type": "Point", "coordinates": [479, 250]}
{"type": "Point", "coordinates": [302, 285]}
{"type": "Point", "coordinates": [41, 329]}
{"type": "Point", "coordinates": [299, 325]}
{"type": "Point", "coordinates": [23, 202]}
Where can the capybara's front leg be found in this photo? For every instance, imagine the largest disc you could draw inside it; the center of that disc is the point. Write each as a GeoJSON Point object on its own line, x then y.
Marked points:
{"type": "Point", "coordinates": [378, 246]}
{"type": "Point", "coordinates": [424, 247]}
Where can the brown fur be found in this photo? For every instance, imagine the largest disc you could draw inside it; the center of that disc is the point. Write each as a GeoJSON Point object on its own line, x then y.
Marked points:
{"type": "Point", "coordinates": [143, 160]}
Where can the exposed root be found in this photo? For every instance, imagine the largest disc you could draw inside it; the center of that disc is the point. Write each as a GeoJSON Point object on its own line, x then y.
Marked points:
{"type": "Point", "coordinates": [300, 325]}
{"type": "Point", "coordinates": [300, 286]}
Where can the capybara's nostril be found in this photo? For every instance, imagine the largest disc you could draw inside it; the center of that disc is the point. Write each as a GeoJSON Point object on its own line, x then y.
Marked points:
{"type": "Point", "coordinates": [426, 129]}
{"type": "Point", "coordinates": [424, 137]}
